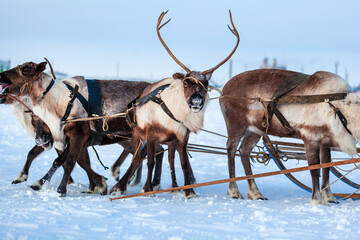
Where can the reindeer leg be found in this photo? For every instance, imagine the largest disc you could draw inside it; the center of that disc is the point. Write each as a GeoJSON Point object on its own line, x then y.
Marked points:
{"type": "Point", "coordinates": [76, 139]}
{"type": "Point", "coordinates": [232, 143]}
{"type": "Point", "coordinates": [71, 180]}
{"type": "Point", "coordinates": [23, 175]}
{"type": "Point", "coordinates": [135, 163]}
{"type": "Point", "coordinates": [92, 186]}
{"type": "Point", "coordinates": [150, 144]}
{"type": "Point", "coordinates": [248, 143]}
{"type": "Point", "coordinates": [137, 176]}
{"type": "Point", "coordinates": [115, 169]}
{"type": "Point", "coordinates": [97, 182]}
{"type": "Point", "coordinates": [312, 154]}
{"type": "Point", "coordinates": [184, 159]}
{"type": "Point", "coordinates": [327, 195]}
{"type": "Point", "coordinates": [158, 167]}
{"type": "Point", "coordinates": [60, 160]}
{"type": "Point", "coordinates": [171, 154]}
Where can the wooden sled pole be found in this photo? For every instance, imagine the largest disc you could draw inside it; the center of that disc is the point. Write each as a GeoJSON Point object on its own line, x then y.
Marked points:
{"type": "Point", "coordinates": [260, 175]}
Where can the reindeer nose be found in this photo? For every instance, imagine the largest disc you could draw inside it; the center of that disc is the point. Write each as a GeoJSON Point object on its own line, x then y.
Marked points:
{"type": "Point", "coordinates": [197, 99]}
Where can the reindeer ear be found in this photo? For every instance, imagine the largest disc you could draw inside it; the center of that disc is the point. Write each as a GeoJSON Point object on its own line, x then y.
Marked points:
{"type": "Point", "coordinates": [41, 67]}
{"type": "Point", "coordinates": [207, 76]}
{"type": "Point", "coordinates": [178, 76]}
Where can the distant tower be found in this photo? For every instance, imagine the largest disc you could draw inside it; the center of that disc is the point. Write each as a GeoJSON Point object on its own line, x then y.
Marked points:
{"type": "Point", "coordinates": [346, 75]}
{"type": "Point", "coordinates": [230, 68]}
{"type": "Point", "coordinates": [265, 63]}
{"type": "Point", "coordinates": [274, 63]}
{"type": "Point", "coordinates": [117, 70]}
{"type": "Point", "coordinates": [336, 67]}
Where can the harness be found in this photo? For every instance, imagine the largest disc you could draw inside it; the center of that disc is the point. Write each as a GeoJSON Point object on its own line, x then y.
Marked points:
{"type": "Point", "coordinates": [148, 97]}
{"type": "Point", "coordinates": [280, 98]}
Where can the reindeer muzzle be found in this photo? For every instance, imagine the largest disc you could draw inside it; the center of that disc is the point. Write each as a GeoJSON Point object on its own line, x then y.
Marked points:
{"type": "Point", "coordinates": [3, 92]}
{"type": "Point", "coordinates": [196, 102]}
{"type": "Point", "coordinates": [46, 142]}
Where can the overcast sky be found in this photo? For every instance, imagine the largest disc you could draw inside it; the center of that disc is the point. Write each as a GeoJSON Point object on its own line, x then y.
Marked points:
{"type": "Point", "coordinates": [92, 38]}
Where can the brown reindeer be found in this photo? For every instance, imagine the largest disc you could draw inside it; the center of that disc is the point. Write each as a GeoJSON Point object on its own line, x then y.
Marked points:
{"type": "Point", "coordinates": [30, 81]}
{"type": "Point", "coordinates": [185, 97]}
{"type": "Point", "coordinates": [315, 123]}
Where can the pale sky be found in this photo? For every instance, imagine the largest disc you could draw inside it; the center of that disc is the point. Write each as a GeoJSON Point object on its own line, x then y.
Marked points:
{"type": "Point", "coordinates": [92, 38]}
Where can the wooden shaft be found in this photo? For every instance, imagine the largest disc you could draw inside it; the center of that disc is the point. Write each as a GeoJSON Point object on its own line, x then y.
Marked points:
{"type": "Point", "coordinates": [299, 169]}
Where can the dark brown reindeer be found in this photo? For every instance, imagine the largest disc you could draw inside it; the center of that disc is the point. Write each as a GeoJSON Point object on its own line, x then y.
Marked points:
{"type": "Point", "coordinates": [317, 124]}
{"type": "Point", "coordinates": [30, 81]}
{"type": "Point", "coordinates": [185, 97]}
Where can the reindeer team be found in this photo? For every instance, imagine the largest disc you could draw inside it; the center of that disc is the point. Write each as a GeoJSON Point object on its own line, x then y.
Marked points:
{"type": "Point", "coordinates": [166, 112]}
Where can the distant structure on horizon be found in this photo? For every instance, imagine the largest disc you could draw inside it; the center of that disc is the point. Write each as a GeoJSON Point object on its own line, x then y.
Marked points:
{"type": "Point", "coordinates": [4, 65]}
{"type": "Point", "coordinates": [274, 64]}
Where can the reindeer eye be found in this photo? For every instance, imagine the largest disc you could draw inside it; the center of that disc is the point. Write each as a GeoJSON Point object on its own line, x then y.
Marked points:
{"type": "Point", "coordinates": [186, 82]}
{"type": "Point", "coordinates": [25, 70]}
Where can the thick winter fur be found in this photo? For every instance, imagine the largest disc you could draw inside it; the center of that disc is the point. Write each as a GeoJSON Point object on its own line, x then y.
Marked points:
{"type": "Point", "coordinates": [173, 97]}
{"type": "Point", "coordinates": [154, 126]}
{"type": "Point", "coordinates": [315, 124]}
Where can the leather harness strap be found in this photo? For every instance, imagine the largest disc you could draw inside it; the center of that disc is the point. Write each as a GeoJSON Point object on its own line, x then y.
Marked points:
{"type": "Point", "coordinates": [79, 96]}
{"type": "Point", "coordinates": [46, 90]}
{"type": "Point", "coordinates": [280, 98]}
{"type": "Point", "coordinates": [148, 97]}
{"type": "Point", "coordinates": [70, 104]}
{"type": "Point", "coordinates": [290, 83]}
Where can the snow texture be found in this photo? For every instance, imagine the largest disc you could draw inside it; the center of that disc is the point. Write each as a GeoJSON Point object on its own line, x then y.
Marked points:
{"type": "Point", "coordinates": [288, 214]}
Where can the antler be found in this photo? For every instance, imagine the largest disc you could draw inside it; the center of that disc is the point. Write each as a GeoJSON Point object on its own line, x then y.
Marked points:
{"type": "Point", "coordinates": [235, 32]}
{"type": "Point", "coordinates": [158, 27]}
{"type": "Point", "coordinates": [52, 71]}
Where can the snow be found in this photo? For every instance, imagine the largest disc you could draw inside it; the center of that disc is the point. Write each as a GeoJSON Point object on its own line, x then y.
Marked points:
{"type": "Point", "coordinates": [288, 214]}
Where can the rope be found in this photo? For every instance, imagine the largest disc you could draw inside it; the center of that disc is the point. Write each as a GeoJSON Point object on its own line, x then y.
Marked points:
{"type": "Point", "coordinates": [95, 118]}
{"type": "Point", "coordinates": [260, 175]}
{"type": "Point", "coordinates": [97, 155]}
{"type": "Point", "coordinates": [214, 133]}
{"type": "Point", "coordinates": [18, 100]}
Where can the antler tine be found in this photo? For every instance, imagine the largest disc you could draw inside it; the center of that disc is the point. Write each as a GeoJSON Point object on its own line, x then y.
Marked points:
{"type": "Point", "coordinates": [235, 32]}
{"type": "Point", "coordinates": [51, 69]}
{"type": "Point", "coordinates": [158, 27]}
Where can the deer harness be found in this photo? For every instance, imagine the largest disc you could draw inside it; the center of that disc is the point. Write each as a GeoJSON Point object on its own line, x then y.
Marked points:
{"type": "Point", "coordinates": [130, 117]}
{"type": "Point", "coordinates": [280, 97]}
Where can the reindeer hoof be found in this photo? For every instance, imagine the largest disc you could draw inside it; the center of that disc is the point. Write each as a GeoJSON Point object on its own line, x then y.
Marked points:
{"type": "Point", "coordinates": [62, 195]}
{"type": "Point", "coordinates": [36, 186]}
{"type": "Point", "coordinates": [21, 177]}
{"type": "Point", "coordinates": [234, 193]}
{"type": "Point", "coordinates": [256, 196]}
{"type": "Point", "coordinates": [189, 193]}
{"type": "Point", "coordinates": [135, 184]}
{"type": "Point", "coordinates": [70, 181]}
{"type": "Point", "coordinates": [115, 172]}
{"type": "Point", "coordinates": [116, 190]}
{"type": "Point", "coordinates": [318, 202]}
{"type": "Point", "coordinates": [91, 190]}
{"type": "Point", "coordinates": [157, 187]}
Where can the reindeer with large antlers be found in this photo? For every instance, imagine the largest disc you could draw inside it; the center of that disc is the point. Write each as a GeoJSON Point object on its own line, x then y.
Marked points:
{"type": "Point", "coordinates": [176, 109]}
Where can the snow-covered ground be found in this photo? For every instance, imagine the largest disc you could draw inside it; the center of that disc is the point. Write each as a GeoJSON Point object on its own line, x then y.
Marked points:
{"type": "Point", "coordinates": [288, 214]}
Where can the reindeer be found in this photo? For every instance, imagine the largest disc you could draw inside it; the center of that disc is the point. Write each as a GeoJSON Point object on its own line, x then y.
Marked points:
{"type": "Point", "coordinates": [39, 130]}
{"type": "Point", "coordinates": [30, 81]}
{"type": "Point", "coordinates": [317, 124]}
{"type": "Point", "coordinates": [31, 123]}
{"type": "Point", "coordinates": [184, 97]}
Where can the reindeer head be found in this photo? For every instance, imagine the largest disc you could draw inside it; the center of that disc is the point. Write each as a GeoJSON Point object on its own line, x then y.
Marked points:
{"type": "Point", "coordinates": [195, 82]}
{"type": "Point", "coordinates": [43, 137]}
{"type": "Point", "coordinates": [19, 79]}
